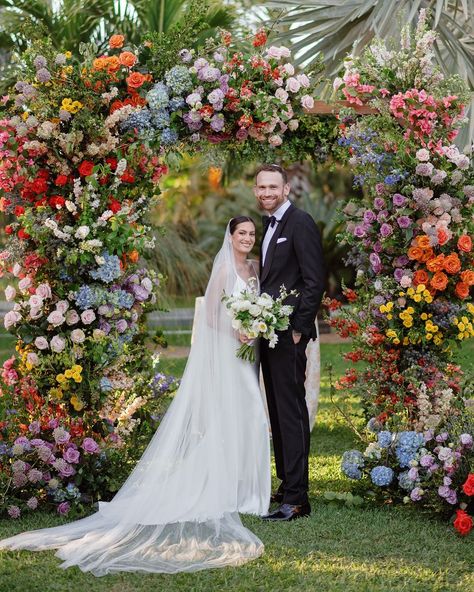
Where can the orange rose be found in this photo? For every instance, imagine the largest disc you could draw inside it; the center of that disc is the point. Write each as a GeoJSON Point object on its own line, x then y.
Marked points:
{"type": "Point", "coordinates": [415, 253]}
{"type": "Point", "coordinates": [436, 263]}
{"type": "Point", "coordinates": [99, 63]}
{"type": "Point", "coordinates": [467, 277]}
{"type": "Point", "coordinates": [452, 264]}
{"type": "Point", "coordinates": [462, 290]}
{"type": "Point", "coordinates": [439, 281]}
{"type": "Point", "coordinates": [423, 241]}
{"type": "Point", "coordinates": [113, 64]}
{"type": "Point", "coordinates": [116, 41]}
{"type": "Point", "coordinates": [135, 80]}
{"type": "Point", "coordinates": [443, 236]}
{"type": "Point", "coordinates": [420, 277]}
{"type": "Point", "coordinates": [465, 243]}
{"type": "Point", "coordinates": [127, 58]}
{"type": "Point", "coordinates": [427, 255]}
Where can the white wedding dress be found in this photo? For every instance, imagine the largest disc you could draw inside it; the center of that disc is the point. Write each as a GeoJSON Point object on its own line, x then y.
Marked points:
{"type": "Point", "coordinates": [208, 461]}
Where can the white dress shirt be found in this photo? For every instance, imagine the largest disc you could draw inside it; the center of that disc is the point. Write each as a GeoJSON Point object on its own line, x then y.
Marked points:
{"type": "Point", "coordinates": [271, 231]}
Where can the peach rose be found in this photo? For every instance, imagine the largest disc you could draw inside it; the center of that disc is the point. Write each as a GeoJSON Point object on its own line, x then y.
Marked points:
{"type": "Point", "coordinates": [443, 236]}
{"type": "Point", "coordinates": [468, 277]}
{"type": "Point", "coordinates": [420, 277]}
{"type": "Point", "coordinates": [452, 264]}
{"type": "Point", "coordinates": [135, 80]}
{"type": "Point", "coordinates": [415, 253]}
{"type": "Point", "coordinates": [436, 263]}
{"type": "Point", "coordinates": [423, 241]}
{"type": "Point", "coordinates": [127, 58]}
{"type": "Point", "coordinates": [439, 281]}
{"type": "Point", "coordinates": [462, 290]}
{"type": "Point", "coordinates": [465, 243]}
{"type": "Point", "coordinates": [99, 63]}
{"type": "Point", "coordinates": [113, 64]}
{"type": "Point", "coordinates": [427, 255]}
{"type": "Point", "coordinates": [116, 41]}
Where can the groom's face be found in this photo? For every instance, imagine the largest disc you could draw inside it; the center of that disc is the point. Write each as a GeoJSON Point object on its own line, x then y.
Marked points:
{"type": "Point", "coordinates": [270, 190]}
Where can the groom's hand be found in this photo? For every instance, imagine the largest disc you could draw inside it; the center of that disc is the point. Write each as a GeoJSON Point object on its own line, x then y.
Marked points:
{"type": "Point", "coordinates": [244, 339]}
{"type": "Point", "coordinates": [296, 337]}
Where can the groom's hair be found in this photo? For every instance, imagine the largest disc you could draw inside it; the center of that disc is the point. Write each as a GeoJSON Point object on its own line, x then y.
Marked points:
{"type": "Point", "coordinates": [273, 168]}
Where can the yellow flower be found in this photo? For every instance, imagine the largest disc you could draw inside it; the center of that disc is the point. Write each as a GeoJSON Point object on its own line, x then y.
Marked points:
{"type": "Point", "coordinates": [410, 310]}
{"type": "Point", "coordinates": [429, 299]}
{"type": "Point", "coordinates": [383, 308]}
{"type": "Point", "coordinates": [411, 291]}
{"type": "Point", "coordinates": [77, 378]}
{"type": "Point", "coordinates": [25, 115]}
{"type": "Point", "coordinates": [417, 297]}
{"type": "Point", "coordinates": [465, 320]}
{"type": "Point", "coordinates": [396, 341]}
{"type": "Point", "coordinates": [68, 373]}
{"type": "Point", "coordinates": [76, 368]}
{"type": "Point", "coordinates": [424, 316]}
{"type": "Point", "coordinates": [437, 340]}
{"type": "Point", "coordinates": [408, 323]}
{"type": "Point", "coordinates": [68, 69]}
{"type": "Point", "coordinates": [61, 378]}
{"type": "Point", "coordinates": [470, 308]}
{"type": "Point", "coordinates": [461, 326]}
{"type": "Point", "coordinates": [406, 341]}
{"type": "Point", "coordinates": [57, 393]}
{"type": "Point", "coordinates": [390, 317]}
{"type": "Point", "coordinates": [401, 294]}
{"type": "Point", "coordinates": [77, 403]}
{"type": "Point", "coordinates": [429, 336]}
{"type": "Point", "coordinates": [68, 54]}
{"type": "Point", "coordinates": [420, 288]}
{"type": "Point", "coordinates": [460, 336]}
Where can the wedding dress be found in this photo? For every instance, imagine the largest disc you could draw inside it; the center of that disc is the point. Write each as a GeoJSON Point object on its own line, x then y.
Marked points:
{"type": "Point", "coordinates": [208, 460]}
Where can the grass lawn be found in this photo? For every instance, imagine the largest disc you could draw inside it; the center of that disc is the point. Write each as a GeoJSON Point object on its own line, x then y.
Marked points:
{"type": "Point", "coordinates": [369, 549]}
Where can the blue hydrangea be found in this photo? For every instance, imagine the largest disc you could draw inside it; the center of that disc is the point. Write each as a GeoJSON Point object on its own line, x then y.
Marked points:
{"type": "Point", "coordinates": [109, 270]}
{"type": "Point", "coordinates": [121, 299]}
{"type": "Point", "coordinates": [3, 449]}
{"type": "Point", "coordinates": [140, 120]}
{"type": "Point", "coordinates": [72, 491]}
{"type": "Point", "coordinates": [381, 475]}
{"type": "Point", "coordinates": [86, 297]}
{"type": "Point", "coordinates": [179, 80]}
{"type": "Point", "coordinates": [160, 118]}
{"type": "Point", "coordinates": [168, 137]}
{"type": "Point", "coordinates": [374, 425]}
{"type": "Point", "coordinates": [405, 482]}
{"type": "Point", "coordinates": [407, 447]}
{"type": "Point", "coordinates": [384, 439]}
{"type": "Point", "coordinates": [351, 464]}
{"type": "Point", "coordinates": [105, 384]}
{"type": "Point", "coordinates": [176, 103]}
{"type": "Point", "coordinates": [158, 97]}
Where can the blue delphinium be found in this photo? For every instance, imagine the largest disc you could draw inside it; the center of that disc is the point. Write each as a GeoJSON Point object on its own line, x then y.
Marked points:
{"type": "Point", "coordinates": [351, 464]}
{"type": "Point", "coordinates": [381, 475]}
{"type": "Point", "coordinates": [160, 118]}
{"type": "Point", "coordinates": [158, 97]}
{"type": "Point", "coordinates": [109, 270]}
{"type": "Point", "coordinates": [140, 120]}
{"type": "Point", "coordinates": [179, 80]}
{"type": "Point", "coordinates": [384, 439]}
{"type": "Point", "coordinates": [168, 137]}
{"type": "Point", "coordinates": [407, 447]}
{"type": "Point", "coordinates": [405, 481]}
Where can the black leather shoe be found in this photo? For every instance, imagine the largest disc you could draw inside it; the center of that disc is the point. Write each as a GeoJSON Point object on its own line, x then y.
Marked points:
{"type": "Point", "coordinates": [288, 512]}
{"type": "Point", "coordinates": [276, 498]}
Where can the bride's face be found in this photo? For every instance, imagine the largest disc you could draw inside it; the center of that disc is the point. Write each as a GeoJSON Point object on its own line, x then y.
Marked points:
{"type": "Point", "coordinates": [243, 238]}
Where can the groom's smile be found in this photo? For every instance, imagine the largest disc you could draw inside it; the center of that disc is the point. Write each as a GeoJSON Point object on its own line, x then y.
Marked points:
{"type": "Point", "coordinates": [271, 191]}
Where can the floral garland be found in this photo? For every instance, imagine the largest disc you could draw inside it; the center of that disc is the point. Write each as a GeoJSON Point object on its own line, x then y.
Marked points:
{"type": "Point", "coordinates": [411, 234]}
{"type": "Point", "coordinates": [83, 146]}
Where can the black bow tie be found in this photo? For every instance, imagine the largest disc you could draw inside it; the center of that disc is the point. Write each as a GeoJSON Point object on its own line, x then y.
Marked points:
{"type": "Point", "coordinates": [269, 221]}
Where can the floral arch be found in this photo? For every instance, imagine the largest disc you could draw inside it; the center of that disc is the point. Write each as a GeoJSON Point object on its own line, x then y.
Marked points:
{"type": "Point", "coordinates": [84, 143]}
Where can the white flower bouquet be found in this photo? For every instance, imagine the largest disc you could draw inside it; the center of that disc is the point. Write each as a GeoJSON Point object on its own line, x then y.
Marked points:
{"type": "Point", "coordinates": [258, 315]}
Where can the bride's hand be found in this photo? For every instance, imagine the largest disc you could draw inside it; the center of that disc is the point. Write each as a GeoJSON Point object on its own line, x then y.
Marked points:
{"type": "Point", "coordinates": [244, 339]}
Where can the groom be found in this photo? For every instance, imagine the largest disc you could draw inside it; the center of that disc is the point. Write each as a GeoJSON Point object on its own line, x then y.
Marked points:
{"type": "Point", "coordinates": [291, 255]}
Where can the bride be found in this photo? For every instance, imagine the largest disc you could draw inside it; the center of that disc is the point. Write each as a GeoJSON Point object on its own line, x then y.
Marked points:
{"type": "Point", "coordinates": [208, 460]}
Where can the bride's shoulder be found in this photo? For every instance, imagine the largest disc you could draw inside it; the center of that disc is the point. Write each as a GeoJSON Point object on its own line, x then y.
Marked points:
{"type": "Point", "coordinates": [254, 265]}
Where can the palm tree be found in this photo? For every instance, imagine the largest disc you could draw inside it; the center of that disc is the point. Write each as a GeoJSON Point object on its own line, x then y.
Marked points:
{"type": "Point", "coordinates": [331, 29]}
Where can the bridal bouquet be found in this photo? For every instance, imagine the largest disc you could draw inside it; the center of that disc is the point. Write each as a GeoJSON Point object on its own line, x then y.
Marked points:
{"type": "Point", "coordinates": [258, 315]}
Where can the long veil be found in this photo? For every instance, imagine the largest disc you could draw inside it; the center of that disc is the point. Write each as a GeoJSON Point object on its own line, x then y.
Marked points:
{"type": "Point", "coordinates": [178, 509]}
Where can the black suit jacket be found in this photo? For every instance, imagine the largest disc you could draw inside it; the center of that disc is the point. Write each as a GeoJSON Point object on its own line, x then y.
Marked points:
{"type": "Point", "coordinates": [298, 264]}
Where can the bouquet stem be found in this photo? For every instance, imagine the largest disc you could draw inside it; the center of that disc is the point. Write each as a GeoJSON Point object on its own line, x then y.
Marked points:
{"type": "Point", "coordinates": [246, 352]}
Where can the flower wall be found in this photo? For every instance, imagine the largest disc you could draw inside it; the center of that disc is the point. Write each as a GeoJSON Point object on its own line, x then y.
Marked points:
{"type": "Point", "coordinates": [411, 236]}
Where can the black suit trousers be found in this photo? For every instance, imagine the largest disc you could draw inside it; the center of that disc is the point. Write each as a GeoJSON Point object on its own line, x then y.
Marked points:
{"type": "Point", "coordinates": [284, 370]}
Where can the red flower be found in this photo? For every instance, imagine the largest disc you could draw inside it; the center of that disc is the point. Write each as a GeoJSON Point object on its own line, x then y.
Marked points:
{"type": "Point", "coordinates": [39, 185]}
{"type": "Point", "coordinates": [463, 522]}
{"type": "Point", "coordinates": [19, 210]}
{"type": "Point", "coordinates": [468, 486]}
{"type": "Point", "coordinates": [115, 206]}
{"type": "Point", "coordinates": [350, 295]}
{"type": "Point", "coordinates": [86, 168]}
{"type": "Point", "coordinates": [260, 38]}
{"type": "Point", "coordinates": [112, 162]}
{"type": "Point", "coordinates": [8, 229]}
{"type": "Point", "coordinates": [23, 235]}
{"type": "Point", "coordinates": [128, 177]}
{"type": "Point", "coordinates": [61, 180]}
{"type": "Point", "coordinates": [56, 201]}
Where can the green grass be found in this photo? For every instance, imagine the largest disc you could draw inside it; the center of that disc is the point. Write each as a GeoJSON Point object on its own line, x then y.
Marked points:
{"type": "Point", "coordinates": [369, 549]}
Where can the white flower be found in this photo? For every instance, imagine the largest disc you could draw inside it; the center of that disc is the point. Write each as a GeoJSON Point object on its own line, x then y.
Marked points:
{"type": "Point", "coordinates": [88, 316]}
{"type": "Point", "coordinates": [293, 124]}
{"type": "Point", "coordinates": [236, 324]}
{"type": "Point", "coordinates": [82, 232]}
{"type": "Point", "coordinates": [16, 269]}
{"type": "Point", "coordinates": [10, 293]}
{"type": "Point", "coordinates": [71, 207]}
{"type": "Point", "coordinates": [56, 318]}
{"type": "Point", "coordinates": [255, 310]}
{"type": "Point", "coordinates": [78, 336]}
{"type": "Point", "coordinates": [11, 319]}
{"type": "Point", "coordinates": [51, 224]}
{"type": "Point", "coordinates": [275, 140]}
{"type": "Point", "coordinates": [41, 343]}
{"type": "Point", "coordinates": [57, 344]}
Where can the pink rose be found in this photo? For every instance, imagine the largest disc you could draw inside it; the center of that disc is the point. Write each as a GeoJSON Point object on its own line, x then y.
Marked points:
{"type": "Point", "coordinates": [307, 102]}
{"type": "Point", "coordinates": [72, 317]}
{"type": "Point", "coordinates": [11, 319]}
{"type": "Point", "coordinates": [71, 455]}
{"type": "Point", "coordinates": [90, 446]}
{"type": "Point", "coordinates": [44, 291]}
{"type": "Point", "coordinates": [16, 269]}
{"type": "Point", "coordinates": [303, 80]}
{"type": "Point", "coordinates": [36, 313]}
{"type": "Point", "coordinates": [63, 508]}
{"type": "Point", "coordinates": [62, 306]}
{"type": "Point", "coordinates": [32, 359]}
{"type": "Point", "coordinates": [78, 336]}
{"type": "Point", "coordinates": [10, 293]}
{"type": "Point", "coordinates": [275, 140]}
{"type": "Point", "coordinates": [273, 52]}
{"type": "Point", "coordinates": [284, 52]}
{"type": "Point", "coordinates": [88, 316]}
{"type": "Point", "coordinates": [41, 343]}
{"type": "Point", "coordinates": [57, 344]}
{"type": "Point", "coordinates": [24, 284]}
{"type": "Point", "coordinates": [56, 318]}
{"type": "Point", "coordinates": [293, 124]}
{"type": "Point", "coordinates": [35, 301]}
{"type": "Point", "coordinates": [281, 94]}
{"type": "Point", "coordinates": [293, 85]}
{"type": "Point", "coordinates": [289, 69]}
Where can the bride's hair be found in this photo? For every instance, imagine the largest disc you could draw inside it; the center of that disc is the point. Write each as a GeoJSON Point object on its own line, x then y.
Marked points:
{"type": "Point", "coordinates": [238, 220]}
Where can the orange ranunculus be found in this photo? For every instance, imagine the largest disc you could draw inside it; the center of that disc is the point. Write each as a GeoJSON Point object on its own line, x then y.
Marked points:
{"type": "Point", "coordinates": [427, 255]}
{"type": "Point", "coordinates": [133, 256]}
{"type": "Point", "coordinates": [465, 243]}
{"type": "Point", "coordinates": [127, 58]}
{"type": "Point", "coordinates": [415, 253]}
{"type": "Point", "coordinates": [439, 281]}
{"type": "Point", "coordinates": [135, 80]}
{"type": "Point", "coordinates": [420, 277]}
{"type": "Point", "coordinates": [468, 277]}
{"type": "Point", "coordinates": [423, 241]}
{"type": "Point", "coordinates": [443, 236]}
{"type": "Point", "coordinates": [462, 290]}
{"type": "Point", "coordinates": [468, 486]}
{"type": "Point", "coordinates": [452, 264]}
{"type": "Point", "coordinates": [113, 64]}
{"type": "Point", "coordinates": [116, 41]}
{"type": "Point", "coordinates": [99, 63]}
{"type": "Point", "coordinates": [436, 263]}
